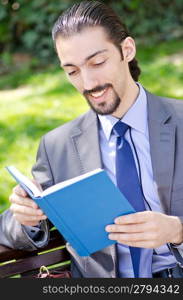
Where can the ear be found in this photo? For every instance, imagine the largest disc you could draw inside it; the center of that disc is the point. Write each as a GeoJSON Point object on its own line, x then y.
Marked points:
{"type": "Point", "coordinates": [128, 49]}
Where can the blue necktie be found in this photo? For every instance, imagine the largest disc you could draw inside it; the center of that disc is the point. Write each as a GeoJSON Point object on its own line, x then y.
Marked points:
{"type": "Point", "coordinates": [128, 181]}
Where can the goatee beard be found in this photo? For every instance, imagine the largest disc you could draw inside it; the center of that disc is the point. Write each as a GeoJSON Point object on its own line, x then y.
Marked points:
{"type": "Point", "coordinates": [103, 108]}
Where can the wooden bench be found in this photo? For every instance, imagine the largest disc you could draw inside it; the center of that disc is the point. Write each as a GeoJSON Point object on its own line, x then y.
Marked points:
{"type": "Point", "coordinates": [20, 263]}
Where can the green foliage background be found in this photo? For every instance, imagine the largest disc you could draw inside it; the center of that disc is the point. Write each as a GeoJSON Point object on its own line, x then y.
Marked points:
{"type": "Point", "coordinates": [25, 26]}
{"type": "Point", "coordinates": [34, 93]}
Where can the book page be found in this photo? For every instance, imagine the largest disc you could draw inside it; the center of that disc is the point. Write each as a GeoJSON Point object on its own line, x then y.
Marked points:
{"type": "Point", "coordinates": [65, 183]}
{"type": "Point", "coordinates": [20, 178]}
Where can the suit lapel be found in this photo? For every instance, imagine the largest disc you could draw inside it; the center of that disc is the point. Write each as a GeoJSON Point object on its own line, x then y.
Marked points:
{"type": "Point", "coordinates": [162, 147]}
{"type": "Point", "coordinates": [86, 142]}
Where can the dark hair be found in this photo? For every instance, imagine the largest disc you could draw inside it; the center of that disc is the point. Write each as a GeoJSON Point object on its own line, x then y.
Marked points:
{"type": "Point", "coordinates": [94, 13]}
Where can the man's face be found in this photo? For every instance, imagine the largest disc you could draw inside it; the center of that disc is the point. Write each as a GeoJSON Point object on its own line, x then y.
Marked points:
{"type": "Point", "coordinates": [95, 68]}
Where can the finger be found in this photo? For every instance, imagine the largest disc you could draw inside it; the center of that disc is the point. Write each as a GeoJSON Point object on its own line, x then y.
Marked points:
{"type": "Point", "coordinates": [134, 218]}
{"type": "Point", "coordinates": [25, 218]}
{"type": "Point", "coordinates": [140, 244]}
{"type": "Point", "coordinates": [19, 191]}
{"type": "Point", "coordinates": [25, 210]}
{"type": "Point", "coordinates": [131, 228]}
{"type": "Point", "coordinates": [31, 223]}
{"type": "Point", "coordinates": [24, 201]}
{"type": "Point", "coordinates": [132, 237]}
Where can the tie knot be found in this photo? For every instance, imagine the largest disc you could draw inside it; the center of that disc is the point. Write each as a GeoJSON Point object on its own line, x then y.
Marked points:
{"type": "Point", "coordinates": [120, 129]}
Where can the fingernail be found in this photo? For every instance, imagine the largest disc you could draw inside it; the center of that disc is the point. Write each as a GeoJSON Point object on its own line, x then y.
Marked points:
{"type": "Point", "coordinates": [107, 228]}
{"type": "Point", "coordinates": [116, 221]}
{"type": "Point", "coordinates": [110, 236]}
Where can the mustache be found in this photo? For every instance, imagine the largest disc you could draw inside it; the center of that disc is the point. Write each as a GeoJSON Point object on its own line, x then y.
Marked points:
{"type": "Point", "coordinates": [98, 88]}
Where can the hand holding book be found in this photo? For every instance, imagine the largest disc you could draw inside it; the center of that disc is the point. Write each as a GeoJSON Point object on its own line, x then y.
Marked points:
{"type": "Point", "coordinates": [25, 210]}
{"type": "Point", "coordinates": [86, 203]}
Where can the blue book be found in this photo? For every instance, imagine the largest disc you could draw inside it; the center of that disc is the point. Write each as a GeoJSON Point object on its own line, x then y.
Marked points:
{"type": "Point", "coordinates": [80, 207]}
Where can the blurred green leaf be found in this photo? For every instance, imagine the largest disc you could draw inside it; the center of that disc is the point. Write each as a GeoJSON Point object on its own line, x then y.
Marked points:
{"type": "Point", "coordinates": [28, 29]}
{"type": "Point", "coordinates": [3, 13]}
{"type": "Point", "coordinates": [30, 38]}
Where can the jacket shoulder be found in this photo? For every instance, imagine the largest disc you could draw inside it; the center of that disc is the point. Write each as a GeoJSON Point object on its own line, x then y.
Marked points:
{"type": "Point", "coordinates": [175, 105]}
{"type": "Point", "coordinates": [70, 128]}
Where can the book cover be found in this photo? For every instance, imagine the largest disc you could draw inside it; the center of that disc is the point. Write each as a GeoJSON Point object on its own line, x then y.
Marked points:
{"type": "Point", "coordinates": [80, 207]}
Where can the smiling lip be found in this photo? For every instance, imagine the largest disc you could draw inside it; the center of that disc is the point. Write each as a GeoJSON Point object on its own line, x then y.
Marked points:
{"type": "Point", "coordinates": [99, 96]}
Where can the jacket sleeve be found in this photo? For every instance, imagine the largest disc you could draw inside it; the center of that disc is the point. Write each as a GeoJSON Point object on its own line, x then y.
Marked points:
{"type": "Point", "coordinates": [12, 233]}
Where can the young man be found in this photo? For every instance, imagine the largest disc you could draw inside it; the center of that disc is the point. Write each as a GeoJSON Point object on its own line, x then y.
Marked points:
{"type": "Point", "coordinates": [98, 56]}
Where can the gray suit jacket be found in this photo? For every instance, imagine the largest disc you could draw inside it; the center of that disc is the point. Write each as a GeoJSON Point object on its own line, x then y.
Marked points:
{"type": "Point", "coordinates": [73, 149]}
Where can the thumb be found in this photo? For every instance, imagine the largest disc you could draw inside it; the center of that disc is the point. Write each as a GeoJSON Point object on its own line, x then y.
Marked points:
{"type": "Point", "coordinates": [37, 184]}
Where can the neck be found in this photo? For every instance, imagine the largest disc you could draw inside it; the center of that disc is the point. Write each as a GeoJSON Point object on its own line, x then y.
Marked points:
{"type": "Point", "coordinates": [127, 100]}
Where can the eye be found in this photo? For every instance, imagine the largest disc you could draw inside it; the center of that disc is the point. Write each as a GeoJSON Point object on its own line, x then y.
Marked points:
{"type": "Point", "coordinates": [99, 63]}
{"type": "Point", "coordinates": [71, 73]}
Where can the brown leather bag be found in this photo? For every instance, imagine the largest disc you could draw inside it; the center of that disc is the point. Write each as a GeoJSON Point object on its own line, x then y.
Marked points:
{"type": "Point", "coordinates": [45, 273]}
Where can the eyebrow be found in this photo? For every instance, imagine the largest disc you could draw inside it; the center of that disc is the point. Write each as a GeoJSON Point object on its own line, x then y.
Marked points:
{"type": "Point", "coordinates": [86, 59]}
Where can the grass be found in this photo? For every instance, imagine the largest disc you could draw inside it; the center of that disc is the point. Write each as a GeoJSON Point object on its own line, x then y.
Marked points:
{"type": "Point", "coordinates": [43, 101]}
{"type": "Point", "coordinates": [162, 68]}
{"type": "Point", "coordinates": [34, 102]}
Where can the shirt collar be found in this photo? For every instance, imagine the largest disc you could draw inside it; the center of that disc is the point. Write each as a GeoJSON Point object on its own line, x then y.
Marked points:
{"type": "Point", "coordinates": [135, 117]}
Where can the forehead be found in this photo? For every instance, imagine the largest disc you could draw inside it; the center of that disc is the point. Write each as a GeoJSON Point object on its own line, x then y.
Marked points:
{"type": "Point", "coordinates": [75, 48]}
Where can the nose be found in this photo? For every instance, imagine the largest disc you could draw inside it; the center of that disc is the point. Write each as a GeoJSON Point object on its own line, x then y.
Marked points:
{"type": "Point", "coordinates": [89, 80]}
